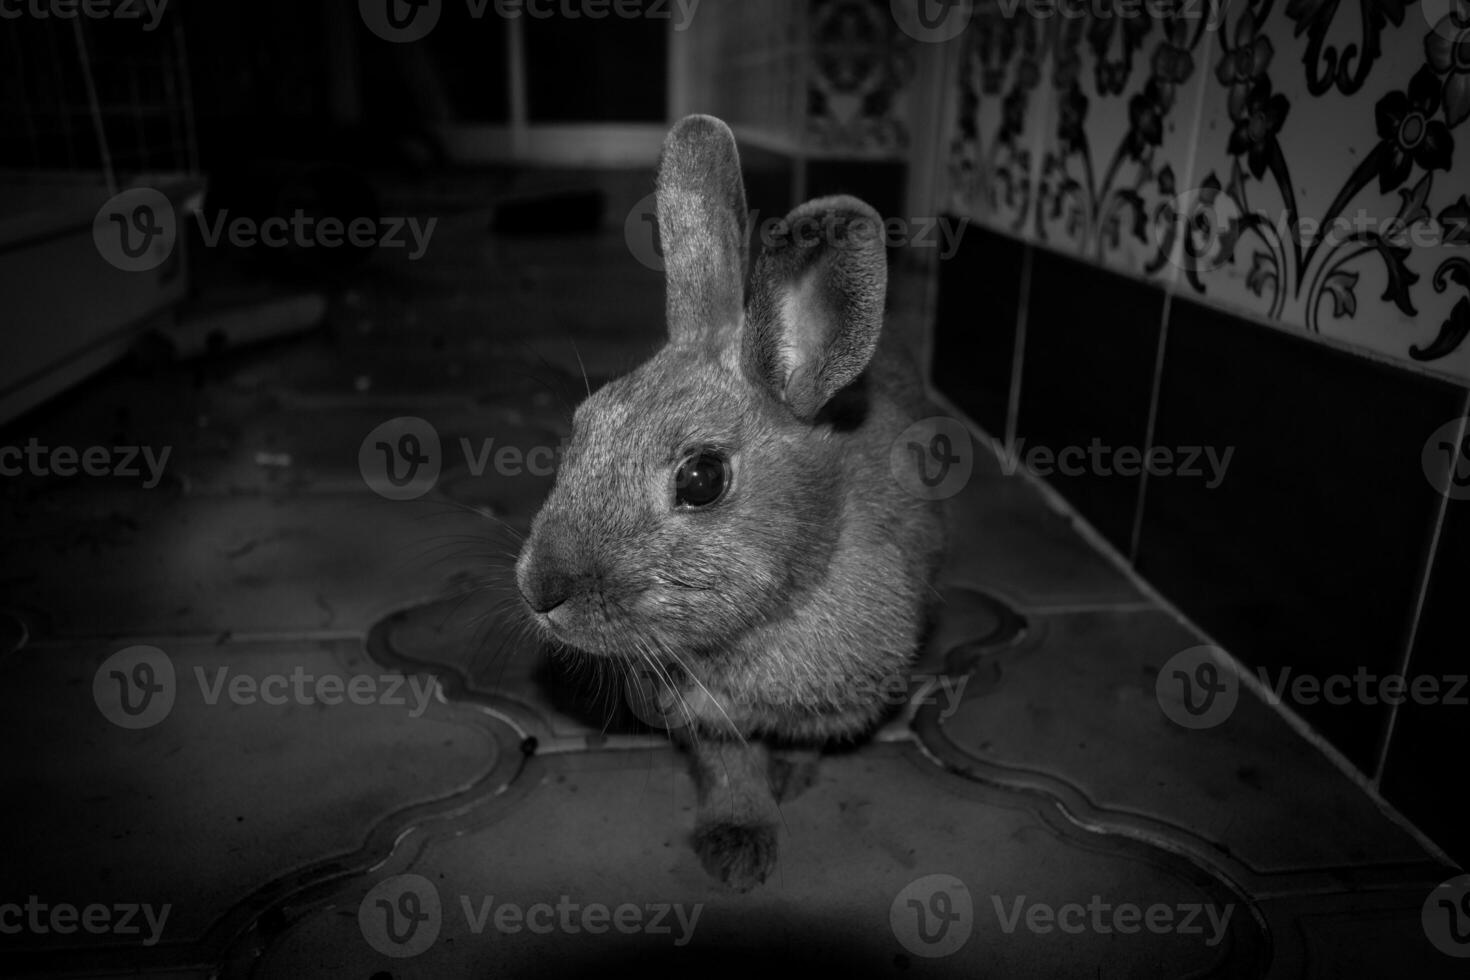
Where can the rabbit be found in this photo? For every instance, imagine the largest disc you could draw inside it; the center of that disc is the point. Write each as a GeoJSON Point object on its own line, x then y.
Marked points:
{"type": "Point", "coordinates": [725, 514]}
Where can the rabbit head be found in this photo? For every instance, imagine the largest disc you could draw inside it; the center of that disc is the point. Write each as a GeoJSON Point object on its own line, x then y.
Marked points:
{"type": "Point", "coordinates": [703, 493]}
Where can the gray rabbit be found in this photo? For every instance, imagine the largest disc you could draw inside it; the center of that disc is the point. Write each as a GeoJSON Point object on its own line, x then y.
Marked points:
{"type": "Point", "coordinates": [726, 514]}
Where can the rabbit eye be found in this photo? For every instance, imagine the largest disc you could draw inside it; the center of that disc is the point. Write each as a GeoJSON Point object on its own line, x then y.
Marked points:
{"type": "Point", "coordinates": [701, 479]}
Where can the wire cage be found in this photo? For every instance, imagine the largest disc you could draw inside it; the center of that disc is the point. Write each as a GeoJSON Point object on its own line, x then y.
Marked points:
{"type": "Point", "coordinates": [108, 98]}
{"type": "Point", "coordinates": [91, 110]}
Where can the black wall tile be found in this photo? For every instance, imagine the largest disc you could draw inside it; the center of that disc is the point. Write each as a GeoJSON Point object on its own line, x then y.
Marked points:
{"type": "Point", "coordinates": [1420, 776]}
{"type": "Point", "coordinates": [767, 184]}
{"type": "Point", "coordinates": [1091, 344]}
{"type": "Point", "coordinates": [975, 325]}
{"type": "Point", "coordinates": [1309, 554]}
{"type": "Point", "coordinates": [882, 184]}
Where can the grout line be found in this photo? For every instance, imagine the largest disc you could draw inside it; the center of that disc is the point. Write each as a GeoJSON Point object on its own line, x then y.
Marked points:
{"type": "Point", "coordinates": [1018, 359]}
{"type": "Point", "coordinates": [1420, 599]}
{"type": "Point", "coordinates": [1136, 533]}
{"type": "Point", "coordinates": [1172, 285]}
{"type": "Point", "coordinates": [1292, 720]}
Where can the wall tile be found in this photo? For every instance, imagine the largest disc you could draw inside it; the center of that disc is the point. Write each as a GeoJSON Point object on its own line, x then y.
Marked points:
{"type": "Point", "coordinates": [1414, 777]}
{"type": "Point", "coordinates": [1091, 342]}
{"type": "Point", "coordinates": [975, 325]}
{"type": "Point", "coordinates": [1308, 554]}
{"type": "Point", "coordinates": [858, 80]}
{"type": "Point", "coordinates": [1000, 114]}
{"type": "Point", "coordinates": [1302, 121]}
{"type": "Point", "coordinates": [1124, 85]}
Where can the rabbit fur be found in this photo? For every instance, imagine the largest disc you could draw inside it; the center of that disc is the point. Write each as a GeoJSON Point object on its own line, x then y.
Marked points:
{"type": "Point", "coordinates": [776, 612]}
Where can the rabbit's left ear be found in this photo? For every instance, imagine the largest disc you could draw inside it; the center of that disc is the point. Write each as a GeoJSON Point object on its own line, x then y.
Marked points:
{"type": "Point", "coordinates": [816, 303]}
{"type": "Point", "coordinates": [702, 224]}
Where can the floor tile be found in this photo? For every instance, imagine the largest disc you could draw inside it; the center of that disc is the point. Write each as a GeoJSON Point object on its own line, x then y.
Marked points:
{"type": "Point", "coordinates": [162, 563]}
{"type": "Point", "coordinates": [610, 829]}
{"type": "Point", "coordinates": [251, 767]}
{"type": "Point", "coordinates": [1077, 705]}
{"type": "Point", "coordinates": [1007, 539]}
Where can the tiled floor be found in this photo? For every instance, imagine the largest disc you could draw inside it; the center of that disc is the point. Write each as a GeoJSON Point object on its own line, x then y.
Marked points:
{"type": "Point", "coordinates": [1040, 770]}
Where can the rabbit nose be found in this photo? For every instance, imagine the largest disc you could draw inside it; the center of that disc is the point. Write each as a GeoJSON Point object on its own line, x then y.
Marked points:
{"type": "Point", "coordinates": [547, 591]}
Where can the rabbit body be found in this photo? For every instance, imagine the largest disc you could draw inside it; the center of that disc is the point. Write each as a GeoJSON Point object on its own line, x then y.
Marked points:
{"type": "Point", "coordinates": [784, 607]}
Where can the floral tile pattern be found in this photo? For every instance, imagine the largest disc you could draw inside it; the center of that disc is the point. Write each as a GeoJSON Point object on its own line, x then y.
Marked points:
{"type": "Point", "coordinates": [1125, 84]}
{"type": "Point", "coordinates": [1000, 114]}
{"type": "Point", "coordinates": [1294, 160]}
{"type": "Point", "coordinates": [858, 85]}
{"type": "Point", "coordinates": [1332, 196]}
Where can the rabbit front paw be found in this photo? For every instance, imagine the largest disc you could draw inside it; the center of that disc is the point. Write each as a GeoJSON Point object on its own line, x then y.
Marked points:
{"type": "Point", "coordinates": [740, 855]}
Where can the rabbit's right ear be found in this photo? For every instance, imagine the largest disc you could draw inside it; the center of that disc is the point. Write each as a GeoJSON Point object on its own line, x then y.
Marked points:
{"type": "Point", "coordinates": [701, 223]}
{"type": "Point", "coordinates": [816, 303]}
